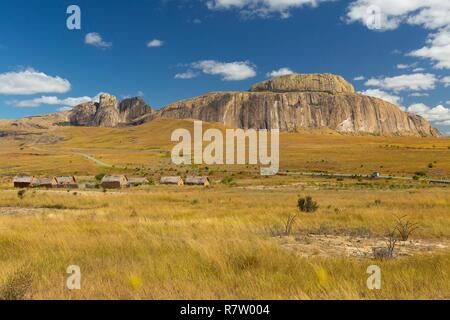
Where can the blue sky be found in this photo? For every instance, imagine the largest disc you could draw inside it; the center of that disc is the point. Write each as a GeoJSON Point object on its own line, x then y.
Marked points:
{"type": "Point", "coordinates": [168, 50]}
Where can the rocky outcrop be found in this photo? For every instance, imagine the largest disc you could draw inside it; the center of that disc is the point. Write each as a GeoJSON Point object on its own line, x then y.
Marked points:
{"type": "Point", "coordinates": [133, 108]}
{"type": "Point", "coordinates": [325, 83]}
{"type": "Point", "coordinates": [296, 102]}
{"type": "Point", "coordinates": [83, 114]}
{"type": "Point", "coordinates": [289, 103]}
{"type": "Point", "coordinates": [108, 112]}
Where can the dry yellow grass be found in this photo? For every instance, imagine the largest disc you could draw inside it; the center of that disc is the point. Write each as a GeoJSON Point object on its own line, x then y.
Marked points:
{"type": "Point", "coordinates": [160, 242]}
{"type": "Point", "coordinates": [214, 243]}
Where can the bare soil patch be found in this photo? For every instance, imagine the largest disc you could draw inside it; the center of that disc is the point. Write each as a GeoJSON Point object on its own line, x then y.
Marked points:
{"type": "Point", "coordinates": [358, 247]}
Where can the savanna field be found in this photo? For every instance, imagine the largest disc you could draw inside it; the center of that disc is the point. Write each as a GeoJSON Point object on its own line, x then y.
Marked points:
{"type": "Point", "coordinates": [228, 241]}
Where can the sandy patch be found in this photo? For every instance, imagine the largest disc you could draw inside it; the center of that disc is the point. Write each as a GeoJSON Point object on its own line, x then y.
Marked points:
{"type": "Point", "coordinates": [358, 247]}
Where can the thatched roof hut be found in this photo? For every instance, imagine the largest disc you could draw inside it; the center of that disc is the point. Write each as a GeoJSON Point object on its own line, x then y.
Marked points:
{"type": "Point", "coordinates": [198, 181]}
{"type": "Point", "coordinates": [114, 182]}
{"type": "Point", "coordinates": [47, 182]}
{"type": "Point", "coordinates": [23, 181]}
{"type": "Point", "coordinates": [66, 180]}
{"type": "Point", "coordinates": [176, 180]}
{"type": "Point", "coordinates": [137, 181]}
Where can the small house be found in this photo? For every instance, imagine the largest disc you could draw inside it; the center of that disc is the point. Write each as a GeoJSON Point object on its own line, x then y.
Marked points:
{"type": "Point", "coordinates": [24, 181]}
{"type": "Point", "coordinates": [198, 181]}
{"type": "Point", "coordinates": [114, 182]}
{"type": "Point", "coordinates": [137, 181]}
{"type": "Point", "coordinates": [172, 180]}
{"type": "Point", "coordinates": [47, 182]}
{"type": "Point", "coordinates": [66, 180]}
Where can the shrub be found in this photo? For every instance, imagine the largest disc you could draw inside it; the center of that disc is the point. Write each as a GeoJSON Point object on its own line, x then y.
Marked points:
{"type": "Point", "coordinates": [21, 193]}
{"type": "Point", "coordinates": [100, 176]}
{"type": "Point", "coordinates": [405, 228]}
{"type": "Point", "coordinates": [421, 174]}
{"type": "Point", "coordinates": [228, 181]}
{"type": "Point", "coordinates": [388, 251]}
{"type": "Point", "coordinates": [307, 204]}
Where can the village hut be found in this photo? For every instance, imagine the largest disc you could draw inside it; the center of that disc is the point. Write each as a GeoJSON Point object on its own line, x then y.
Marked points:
{"type": "Point", "coordinates": [24, 181]}
{"type": "Point", "coordinates": [172, 180]}
{"type": "Point", "coordinates": [198, 181]}
{"type": "Point", "coordinates": [66, 180]}
{"type": "Point", "coordinates": [47, 182]}
{"type": "Point", "coordinates": [114, 182]}
{"type": "Point", "coordinates": [137, 181]}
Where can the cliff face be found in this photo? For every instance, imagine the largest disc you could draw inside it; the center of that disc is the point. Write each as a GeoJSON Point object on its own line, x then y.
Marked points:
{"type": "Point", "coordinates": [288, 103]}
{"type": "Point", "coordinates": [109, 112]}
{"type": "Point", "coordinates": [293, 102]}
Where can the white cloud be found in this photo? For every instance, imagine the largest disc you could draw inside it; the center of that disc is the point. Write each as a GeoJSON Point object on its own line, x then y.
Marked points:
{"type": "Point", "coordinates": [438, 48]}
{"type": "Point", "coordinates": [262, 8]}
{"type": "Point", "coordinates": [402, 66]}
{"type": "Point", "coordinates": [96, 40]}
{"type": "Point", "coordinates": [438, 114]}
{"type": "Point", "coordinates": [155, 43]}
{"type": "Point", "coordinates": [359, 78]}
{"type": "Point", "coordinates": [31, 82]}
{"type": "Point", "coordinates": [49, 100]}
{"type": "Point", "coordinates": [280, 72]}
{"type": "Point", "coordinates": [416, 82]}
{"type": "Point", "coordinates": [186, 75]}
{"type": "Point", "coordinates": [418, 70]}
{"type": "Point", "coordinates": [419, 94]}
{"type": "Point", "coordinates": [446, 81]}
{"type": "Point", "coordinates": [377, 93]}
{"type": "Point", "coordinates": [229, 71]}
{"type": "Point", "coordinates": [431, 14]}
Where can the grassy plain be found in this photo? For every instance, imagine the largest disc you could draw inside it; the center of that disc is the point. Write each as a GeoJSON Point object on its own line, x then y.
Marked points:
{"type": "Point", "coordinates": [159, 242]}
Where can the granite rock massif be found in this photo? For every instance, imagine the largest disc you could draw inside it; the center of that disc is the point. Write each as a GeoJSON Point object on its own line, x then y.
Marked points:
{"type": "Point", "coordinates": [289, 103]}
{"type": "Point", "coordinates": [109, 112]}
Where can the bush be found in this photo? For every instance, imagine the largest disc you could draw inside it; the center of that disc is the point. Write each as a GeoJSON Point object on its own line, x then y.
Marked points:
{"type": "Point", "coordinates": [421, 174]}
{"type": "Point", "coordinates": [228, 181]}
{"type": "Point", "coordinates": [100, 176]}
{"type": "Point", "coordinates": [21, 193]}
{"type": "Point", "coordinates": [307, 204]}
{"type": "Point", "coordinates": [405, 228]}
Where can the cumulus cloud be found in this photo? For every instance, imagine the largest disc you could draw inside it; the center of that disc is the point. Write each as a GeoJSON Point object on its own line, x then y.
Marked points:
{"type": "Point", "coordinates": [155, 43]}
{"type": "Point", "coordinates": [186, 75]}
{"type": "Point", "coordinates": [262, 8]}
{"type": "Point", "coordinates": [446, 81]}
{"type": "Point", "coordinates": [359, 78]}
{"type": "Point", "coordinates": [49, 100]}
{"type": "Point", "coordinates": [377, 93]}
{"type": "Point", "coordinates": [437, 48]}
{"type": "Point", "coordinates": [431, 14]}
{"type": "Point", "coordinates": [96, 40]}
{"type": "Point", "coordinates": [439, 114]}
{"type": "Point", "coordinates": [229, 71]}
{"type": "Point", "coordinates": [280, 72]}
{"type": "Point", "coordinates": [31, 82]}
{"type": "Point", "coordinates": [415, 82]}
